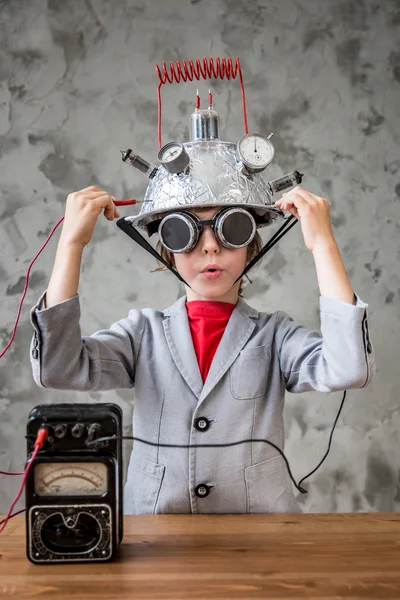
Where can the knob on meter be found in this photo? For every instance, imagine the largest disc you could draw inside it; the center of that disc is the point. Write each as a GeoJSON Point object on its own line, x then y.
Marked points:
{"type": "Point", "coordinates": [173, 157]}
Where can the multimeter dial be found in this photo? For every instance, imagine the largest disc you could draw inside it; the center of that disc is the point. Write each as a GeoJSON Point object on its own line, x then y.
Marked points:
{"type": "Point", "coordinates": [174, 157]}
{"type": "Point", "coordinates": [70, 479]}
{"type": "Point", "coordinates": [255, 151]}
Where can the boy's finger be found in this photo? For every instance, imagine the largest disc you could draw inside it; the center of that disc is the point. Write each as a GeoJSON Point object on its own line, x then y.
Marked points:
{"type": "Point", "coordinates": [91, 188]}
{"type": "Point", "coordinates": [107, 204]}
{"type": "Point", "coordinates": [297, 200]}
{"type": "Point", "coordinates": [116, 213]}
{"type": "Point", "coordinates": [293, 210]}
{"type": "Point", "coordinates": [305, 194]}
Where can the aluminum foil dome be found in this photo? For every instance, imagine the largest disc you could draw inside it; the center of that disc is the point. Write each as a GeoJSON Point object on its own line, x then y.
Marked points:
{"type": "Point", "coordinates": [215, 177]}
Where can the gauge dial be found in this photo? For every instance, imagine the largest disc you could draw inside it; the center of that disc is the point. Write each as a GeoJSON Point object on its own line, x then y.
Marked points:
{"type": "Point", "coordinates": [174, 157]}
{"type": "Point", "coordinates": [170, 152]}
{"type": "Point", "coordinates": [70, 479]}
{"type": "Point", "coordinates": [255, 151]}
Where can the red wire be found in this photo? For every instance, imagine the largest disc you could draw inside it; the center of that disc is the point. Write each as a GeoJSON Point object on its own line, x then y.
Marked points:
{"type": "Point", "coordinates": [13, 515]}
{"type": "Point", "coordinates": [26, 288]}
{"type": "Point", "coordinates": [117, 203]}
{"type": "Point", "coordinates": [11, 473]}
{"type": "Point", "coordinates": [21, 489]}
{"type": "Point", "coordinates": [125, 202]}
{"type": "Point", "coordinates": [42, 434]}
{"type": "Point", "coordinates": [223, 68]}
{"type": "Point", "coordinates": [39, 442]}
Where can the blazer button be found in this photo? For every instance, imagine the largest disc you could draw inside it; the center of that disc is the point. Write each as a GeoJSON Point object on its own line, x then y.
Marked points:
{"type": "Point", "coordinates": [202, 424]}
{"type": "Point", "coordinates": [202, 490]}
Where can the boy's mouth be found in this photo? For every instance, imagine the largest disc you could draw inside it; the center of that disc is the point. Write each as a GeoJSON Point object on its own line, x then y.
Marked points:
{"type": "Point", "coordinates": [212, 271]}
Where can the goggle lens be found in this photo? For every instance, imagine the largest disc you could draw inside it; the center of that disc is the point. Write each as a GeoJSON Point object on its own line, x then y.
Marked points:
{"type": "Point", "coordinates": [237, 229]}
{"type": "Point", "coordinates": [234, 228]}
{"type": "Point", "coordinates": [175, 233]}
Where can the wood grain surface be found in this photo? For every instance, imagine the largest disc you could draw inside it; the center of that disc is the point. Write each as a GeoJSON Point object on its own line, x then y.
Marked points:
{"type": "Point", "coordinates": [171, 557]}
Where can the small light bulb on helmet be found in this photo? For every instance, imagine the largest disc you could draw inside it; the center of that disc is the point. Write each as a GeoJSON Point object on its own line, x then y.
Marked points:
{"type": "Point", "coordinates": [204, 123]}
{"type": "Point", "coordinates": [130, 158]}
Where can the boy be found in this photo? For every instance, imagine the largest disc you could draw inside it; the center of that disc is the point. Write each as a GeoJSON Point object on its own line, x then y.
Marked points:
{"type": "Point", "coordinates": [209, 369]}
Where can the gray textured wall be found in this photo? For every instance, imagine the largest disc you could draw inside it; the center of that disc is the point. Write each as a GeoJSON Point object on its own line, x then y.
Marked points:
{"type": "Point", "coordinates": [77, 84]}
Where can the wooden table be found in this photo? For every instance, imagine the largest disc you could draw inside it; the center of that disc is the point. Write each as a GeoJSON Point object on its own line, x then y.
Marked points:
{"type": "Point", "coordinates": [327, 556]}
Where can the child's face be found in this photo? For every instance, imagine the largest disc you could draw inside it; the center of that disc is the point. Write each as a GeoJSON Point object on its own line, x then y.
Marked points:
{"type": "Point", "coordinates": [229, 264]}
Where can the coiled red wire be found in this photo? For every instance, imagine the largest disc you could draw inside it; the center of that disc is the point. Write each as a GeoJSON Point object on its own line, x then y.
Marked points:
{"type": "Point", "coordinates": [206, 69]}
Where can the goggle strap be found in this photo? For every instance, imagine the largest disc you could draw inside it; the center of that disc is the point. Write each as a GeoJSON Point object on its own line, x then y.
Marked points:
{"type": "Point", "coordinates": [134, 234]}
{"type": "Point", "coordinates": [274, 239]}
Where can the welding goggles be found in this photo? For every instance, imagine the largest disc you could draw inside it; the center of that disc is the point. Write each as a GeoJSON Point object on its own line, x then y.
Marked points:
{"type": "Point", "coordinates": [234, 227]}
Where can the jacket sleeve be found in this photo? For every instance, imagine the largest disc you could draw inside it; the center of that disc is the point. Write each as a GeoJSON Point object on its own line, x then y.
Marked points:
{"type": "Point", "coordinates": [341, 357]}
{"type": "Point", "coordinates": [62, 359]}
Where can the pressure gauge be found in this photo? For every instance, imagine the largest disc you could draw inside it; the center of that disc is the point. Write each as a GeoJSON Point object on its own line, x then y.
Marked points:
{"type": "Point", "coordinates": [255, 151]}
{"type": "Point", "coordinates": [70, 479]}
{"type": "Point", "coordinates": [174, 158]}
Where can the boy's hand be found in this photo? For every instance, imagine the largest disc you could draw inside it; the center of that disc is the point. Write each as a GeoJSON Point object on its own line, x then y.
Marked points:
{"type": "Point", "coordinates": [81, 213]}
{"type": "Point", "coordinates": [313, 213]}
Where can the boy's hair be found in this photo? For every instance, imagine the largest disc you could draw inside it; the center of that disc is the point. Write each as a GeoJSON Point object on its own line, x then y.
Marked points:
{"type": "Point", "coordinates": [252, 250]}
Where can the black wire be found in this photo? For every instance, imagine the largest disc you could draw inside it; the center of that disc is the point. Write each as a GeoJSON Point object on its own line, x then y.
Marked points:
{"type": "Point", "coordinates": [298, 486]}
{"type": "Point", "coordinates": [330, 440]}
{"type": "Point", "coordinates": [287, 225]}
{"type": "Point", "coordinates": [227, 444]}
{"type": "Point", "coordinates": [136, 439]}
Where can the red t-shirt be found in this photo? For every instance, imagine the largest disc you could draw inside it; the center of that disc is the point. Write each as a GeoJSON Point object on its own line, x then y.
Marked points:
{"type": "Point", "coordinates": [207, 320]}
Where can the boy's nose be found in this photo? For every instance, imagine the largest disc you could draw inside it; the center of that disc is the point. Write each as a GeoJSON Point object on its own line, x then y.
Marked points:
{"type": "Point", "coordinates": [208, 242]}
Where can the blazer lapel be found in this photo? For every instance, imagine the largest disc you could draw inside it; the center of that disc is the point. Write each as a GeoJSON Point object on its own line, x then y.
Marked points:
{"type": "Point", "coordinates": [179, 339]}
{"type": "Point", "coordinates": [238, 330]}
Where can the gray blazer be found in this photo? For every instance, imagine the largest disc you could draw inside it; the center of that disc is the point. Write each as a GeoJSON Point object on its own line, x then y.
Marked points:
{"type": "Point", "coordinates": [260, 355]}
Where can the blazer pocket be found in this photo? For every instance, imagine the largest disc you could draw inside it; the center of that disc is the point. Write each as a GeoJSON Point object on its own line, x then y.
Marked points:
{"type": "Point", "coordinates": [249, 373]}
{"type": "Point", "coordinates": [143, 485]}
{"type": "Point", "coordinates": [269, 488]}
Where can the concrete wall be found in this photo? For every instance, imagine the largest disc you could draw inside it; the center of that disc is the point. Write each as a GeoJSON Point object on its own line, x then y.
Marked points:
{"type": "Point", "coordinates": [78, 83]}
